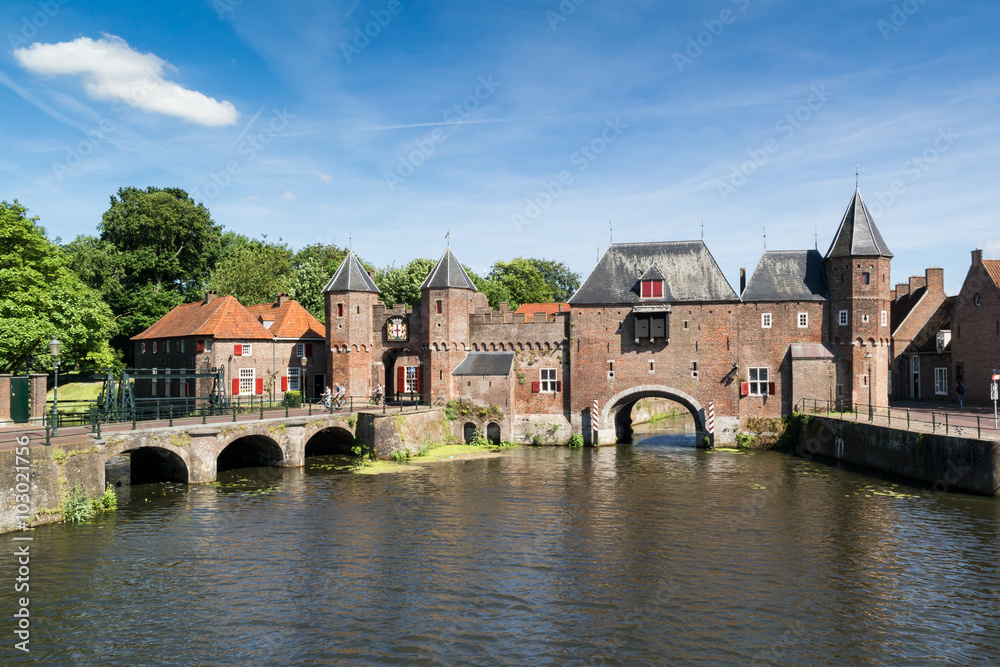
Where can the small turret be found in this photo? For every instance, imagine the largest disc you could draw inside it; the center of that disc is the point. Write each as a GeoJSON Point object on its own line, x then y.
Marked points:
{"type": "Point", "coordinates": [349, 297]}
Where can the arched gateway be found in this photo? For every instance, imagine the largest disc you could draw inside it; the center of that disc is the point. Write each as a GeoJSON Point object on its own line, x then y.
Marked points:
{"type": "Point", "coordinates": [616, 413]}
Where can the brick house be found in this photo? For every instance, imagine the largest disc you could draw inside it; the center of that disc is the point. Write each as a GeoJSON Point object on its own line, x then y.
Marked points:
{"type": "Point", "coordinates": [975, 329]}
{"type": "Point", "coordinates": [919, 310]}
{"type": "Point", "coordinates": [220, 333]}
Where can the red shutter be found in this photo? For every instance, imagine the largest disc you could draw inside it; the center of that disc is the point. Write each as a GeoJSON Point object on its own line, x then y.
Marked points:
{"type": "Point", "coordinates": [309, 349]}
{"type": "Point", "coordinates": [658, 288]}
{"type": "Point", "coordinates": [646, 288]}
{"type": "Point", "coordinates": [770, 388]}
{"type": "Point", "coordinates": [199, 345]}
{"type": "Point", "coordinates": [559, 386]}
{"type": "Point", "coordinates": [284, 383]}
{"type": "Point", "coordinates": [238, 350]}
{"type": "Point", "coordinates": [417, 369]}
{"type": "Point", "coordinates": [400, 380]}
{"type": "Point", "coordinates": [744, 389]}
{"type": "Point", "coordinates": [236, 386]}
{"type": "Point", "coordinates": [536, 387]}
{"type": "Point", "coordinates": [260, 385]}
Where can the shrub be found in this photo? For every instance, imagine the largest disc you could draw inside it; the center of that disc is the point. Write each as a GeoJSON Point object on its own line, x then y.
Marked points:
{"type": "Point", "coordinates": [400, 455]}
{"type": "Point", "coordinates": [575, 440]}
{"type": "Point", "coordinates": [745, 440]}
{"type": "Point", "coordinates": [76, 508]}
{"type": "Point", "coordinates": [293, 399]}
{"type": "Point", "coordinates": [480, 440]}
{"type": "Point", "coordinates": [536, 440]}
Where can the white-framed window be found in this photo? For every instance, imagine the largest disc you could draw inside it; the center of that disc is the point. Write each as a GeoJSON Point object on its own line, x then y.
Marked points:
{"type": "Point", "coordinates": [885, 318]}
{"type": "Point", "coordinates": [765, 320]}
{"type": "Point", "coordinates": [803, 320]}
{"type": "Point", "coordinates": [247, 349]}
{"type": "Point", "coordinates": [758, 381]}
{"type": "Point", "coordinates": [152, 385]}
{"type": "Point", "coordinates": [293, 379]}
{"type": "Point", "coordinates": [842, 318]}
{"type": "Point", "coordinates": [300, 350]}
{"type": "Point", "coordinates": [941, 381]}
{"type": "Point", "coordinates": [548, 378]}
{"type": "Point", "coordinates": [208, 344]}
{"type": "Point", "coordinates": [410, 379]}
{"type": "Point", "coordinates": [247, 376]}
{"type": "Point", "coordinates": [182, 347]}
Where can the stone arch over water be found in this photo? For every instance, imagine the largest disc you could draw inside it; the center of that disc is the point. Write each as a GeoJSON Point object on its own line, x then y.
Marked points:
{"type": "Point", "coordinates": [617, 410]}
{"type": "Point", "coordinates": [249, 451]}
{"type": "Point", "coordinates": [331, 440]}
{"type": "Point", "coordinates": [156, 464]}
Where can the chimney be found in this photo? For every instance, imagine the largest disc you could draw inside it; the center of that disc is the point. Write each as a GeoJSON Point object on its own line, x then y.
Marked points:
{"type": "Point", "coordinates": [902, 289]}
{"type": "Point", "coordinates": [916, 282]}
{"type": "Point", "coordinates": [282, 299]}
{"type": "Point", "coordinates": [210, 295]}
{"type": "Point", "coordinates": [935, 279]}
{"type": "Point", "coordinates": [892, 295]}
{"type": "Point", "coordinates": [743, 280]}
{"type": "Point", "coordinates": [977, 257]}
{"type": "Point", "coordinates": [371, 274]}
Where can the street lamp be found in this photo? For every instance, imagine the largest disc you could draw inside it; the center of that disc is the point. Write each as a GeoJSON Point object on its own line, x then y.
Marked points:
{"type": "Point", "coordinates": [54, 346]}
{"type": "Point", "coordinates": [303, 360]}
{"type": "Point", "coordinates": [871, 409]}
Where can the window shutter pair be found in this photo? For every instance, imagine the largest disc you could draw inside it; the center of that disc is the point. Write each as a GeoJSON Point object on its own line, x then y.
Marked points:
{"type": "Point", "coordinates": [238, 350]}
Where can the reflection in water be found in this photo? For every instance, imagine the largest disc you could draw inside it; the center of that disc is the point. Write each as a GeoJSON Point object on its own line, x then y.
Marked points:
{"type": "Point", "coordinates": [650, 553]}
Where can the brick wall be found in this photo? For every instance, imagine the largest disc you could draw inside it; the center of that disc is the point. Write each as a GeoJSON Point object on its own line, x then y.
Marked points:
{"type": "Point", "coordinates": [349, 331]}
{"type": "Point", "coordinates": [975, 341]}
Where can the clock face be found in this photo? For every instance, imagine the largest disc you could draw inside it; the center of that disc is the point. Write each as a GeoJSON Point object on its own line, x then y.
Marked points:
{"type": "Point", "coordinates": [396, 328]}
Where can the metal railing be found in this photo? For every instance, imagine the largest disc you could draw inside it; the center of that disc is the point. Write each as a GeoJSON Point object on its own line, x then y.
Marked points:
{"type": "Point", "coordinates": [921, 420]}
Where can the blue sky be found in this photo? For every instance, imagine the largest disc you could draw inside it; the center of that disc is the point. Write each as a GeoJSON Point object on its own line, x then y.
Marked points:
{"type": "Point", "coordinates": [523, 127]}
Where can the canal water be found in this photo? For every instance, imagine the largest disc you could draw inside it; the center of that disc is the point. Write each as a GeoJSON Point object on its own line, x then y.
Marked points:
{"type": "Point", "coordinates": [655, 553]}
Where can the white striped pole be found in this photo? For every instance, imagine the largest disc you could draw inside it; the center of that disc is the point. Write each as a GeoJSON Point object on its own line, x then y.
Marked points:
{"type": "Point", "coordinates": [711, 417]}
{"type": "Point", "coordinates": [595, 422]}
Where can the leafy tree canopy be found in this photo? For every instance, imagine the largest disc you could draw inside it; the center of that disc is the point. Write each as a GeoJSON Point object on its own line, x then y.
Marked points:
{"type": "Point", "coordinates": [308, 282]}
{"type": "Point", "coordinates": [562, 282]}
{"type": "Point", "coordinates": [402, 284]}
{"type": "Point", "coordinates": [522, 281]}
{"type": "Point", "coordinates": [253, 271]}
{"type": "Point", "coordinates": [40, 297]}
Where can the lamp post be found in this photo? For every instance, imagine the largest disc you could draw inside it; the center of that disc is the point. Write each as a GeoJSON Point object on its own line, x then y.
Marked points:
{"type": "Point", "coordinates": [871, 409]}
{"type": "Point", "coordinates": [303, 360]}
{"type": "Point", "coordinates": [54, 346]}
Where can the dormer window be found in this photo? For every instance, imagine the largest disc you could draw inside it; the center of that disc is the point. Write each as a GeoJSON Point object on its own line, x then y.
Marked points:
{"type": "Point", "coordinates": [652, 289]}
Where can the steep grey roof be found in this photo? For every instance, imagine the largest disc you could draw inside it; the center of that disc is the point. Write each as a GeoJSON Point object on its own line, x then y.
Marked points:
{"type": "Point", "coordinates": [858, 234]}
{"type": "Point", "coordinates": [351, 277]}
{"type": "Point", "coordinates": [689, 272]}
{"type": "Point", "coordinates": [486, 363]}
{"type": "Point", "coordinates": [788, 275]}
{"type": "Point", "coordinates": [448, 272]}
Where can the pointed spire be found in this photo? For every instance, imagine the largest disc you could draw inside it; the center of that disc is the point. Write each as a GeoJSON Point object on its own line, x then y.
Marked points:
{"type": "Point", "coordinates": [448, 272]}
{"type": "Point", "coordinates": [351, 277]}
{"type": "Point", "coordinates": [857, 234]}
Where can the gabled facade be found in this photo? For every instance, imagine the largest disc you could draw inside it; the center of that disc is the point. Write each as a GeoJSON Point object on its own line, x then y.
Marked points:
{"type": "Point", "coordinates": [975, 329]}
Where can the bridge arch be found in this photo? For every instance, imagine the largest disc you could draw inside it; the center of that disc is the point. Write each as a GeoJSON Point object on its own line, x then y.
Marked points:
{"type": "Point", "coordinates": [249, 451]}
{"type": "Point", "coordinates": [617, 410]}
{"type": "Point", "coordinates": [329, 440]}
{"type": "Point", "coordinates": [151, 464]}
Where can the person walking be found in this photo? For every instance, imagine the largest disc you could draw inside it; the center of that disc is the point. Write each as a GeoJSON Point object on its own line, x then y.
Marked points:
{"type": "Point", "coordinates": [960, 390]}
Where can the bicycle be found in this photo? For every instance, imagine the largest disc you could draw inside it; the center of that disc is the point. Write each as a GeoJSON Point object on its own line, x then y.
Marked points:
{"type": "Point", "coordinates": [375, 400]}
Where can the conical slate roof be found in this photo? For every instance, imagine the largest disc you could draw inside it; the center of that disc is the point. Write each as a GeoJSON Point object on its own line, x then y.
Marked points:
{"type": "Point", "coordinates": [351, 277]}
{"type": "Point", "coordinates": [858, 235]}
{"type": "Point", "coordinates": [448, 272]}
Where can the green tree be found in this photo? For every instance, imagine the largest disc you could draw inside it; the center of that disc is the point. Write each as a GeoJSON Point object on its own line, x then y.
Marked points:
{"type": "Point", "coordinates": [402, 284]}
{"type": "Point", "coordinates": [307, 286]}
{"type": "Point", "coordinates": [253, 272]}
{"type": "Point", "coordinates": [41, 297]}
{"type": "Point", "coordinates": [562, 282]}
{"type": "Point", "coordinates": [522, 281]}
{"type": "Point", "coordinates": [495, 292]}
{"type": "Point", "coordinates": [155, 250]}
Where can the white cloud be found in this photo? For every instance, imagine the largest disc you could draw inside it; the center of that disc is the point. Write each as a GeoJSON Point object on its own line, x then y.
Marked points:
{"type": "Point", "coordinates": [321, 176]}
{"type": "Point", "coordinates": [288, 196]}
{"type": "Point", "coordinates": [111, 70]}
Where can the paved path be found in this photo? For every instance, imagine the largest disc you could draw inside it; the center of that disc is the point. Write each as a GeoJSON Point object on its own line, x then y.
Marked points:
{"type": "Point", "coordinates": [949, 419]}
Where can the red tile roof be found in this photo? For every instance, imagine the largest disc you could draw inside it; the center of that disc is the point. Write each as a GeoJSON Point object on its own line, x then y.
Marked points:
{"type": "Point", "coordinates": [992, 267]}
{"type": "Point", "coordinates": [291, 320]}
{"type": "Point", "coordinates": [224, 318]}
{"type": "Point", "coordinates": [529, 309]}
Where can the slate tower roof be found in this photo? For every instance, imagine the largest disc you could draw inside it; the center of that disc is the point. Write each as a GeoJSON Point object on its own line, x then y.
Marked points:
{"type": "Point", "coordinates": [788, 275]}
{"type": "Point", "coordinates": [351, 277]}
{"type": "Point", "coordinates": [858, 234]}
{"type": "Point", "coordinates": [688, 270]}
{"type": "Point", "coordinates": [448, 272]}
